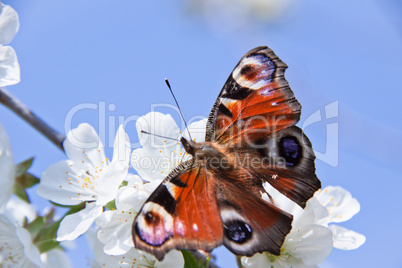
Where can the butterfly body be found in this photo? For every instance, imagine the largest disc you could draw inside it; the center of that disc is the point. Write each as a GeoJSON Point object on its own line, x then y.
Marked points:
{"type": "Point", "coordinates": [215, 198]}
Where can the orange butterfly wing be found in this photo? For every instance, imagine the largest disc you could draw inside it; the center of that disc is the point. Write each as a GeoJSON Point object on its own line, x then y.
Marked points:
{"type": "Point", "coordinates": [256, 112]}
{"type": "Point", "coordinates": [182, 213]}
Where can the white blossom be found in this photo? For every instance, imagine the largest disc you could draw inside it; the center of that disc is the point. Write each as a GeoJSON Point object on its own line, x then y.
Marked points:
{"type": "Point", "coordinates": [88, 176]}
{"type": "Point", "coordinates": [341, 207]}
{"type": "Point", "coordinates": [162, 152]}
{"type": "Point", "coordinates": [9, 67]}
{"type": "Point", "coordinates": [132, 258]}
{"type": "Point", "coordinates": [115, 225]}
{"type": "Point", "coordinates": [16, 248]}
{"type": "Point", "coordinates": [7, 174]}
{"type": "Point", "coordinates": [311, 240]}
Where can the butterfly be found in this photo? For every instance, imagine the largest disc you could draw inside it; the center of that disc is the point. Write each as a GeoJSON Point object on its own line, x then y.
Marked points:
{"type": "Point", "coordinates": [215, 197]}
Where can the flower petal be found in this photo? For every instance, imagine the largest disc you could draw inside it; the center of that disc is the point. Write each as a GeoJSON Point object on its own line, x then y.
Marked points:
{"type": "Point", "coordinates": [312, 243]}
{"type": "Point", "coordinates": [16, 244]}
{"type": "Point", "coordinates": [84, 148]}
{"type": "Point", "coordinates": [7, 168]}
{"type": "Point", "coordinates": [197, 130]}
{"type": "Point", "coordinates": [9, 24]}
{"type": "Point", "coordinates": [18, 210]}
{"type": "Point", "coordinates": [173, 258]}
{"type": "Point", "coordinates": [78, 223]}
{"type": "Point", "coordinates": [122, 148]}
{"type": "Point", "coordinates": [149, 166]}
{"type": "Point", "coordinates": [30, 251]}
{"type": "Point", "coordinates": [159, 124]}
{"type": "Point", "coordinates": [61, 183]}
{"type": "Point", "coordinates": [115, 226]}
{"type": "Point", "coordinates": [346, 239]}
{"type": "Point", "coordinates": [116, 171]}
{"type": "Point", "coordinates": [9, 67]}
{"type": "Point", "coordinates": [114, 233]}
{"type": "Point", "coordinates": [108, 184]}
{"type": "Point", "coordinates": [55, 258]}
{"type": "Point", "coordinates": [339, 202]}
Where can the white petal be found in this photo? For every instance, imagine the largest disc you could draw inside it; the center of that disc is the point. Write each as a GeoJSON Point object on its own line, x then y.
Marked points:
{"type": "Point", "coordinates": [258, 260]}
{"type": "Point", "coordinates": [122, 148]}
{"type": "Point", "coordinates": [78, 223]}
{"type": "Point", "coordinates": [84, 148]}
{"type": "Point", "coordinates": [115, 226]}
{"type": "Point", "coordinates": [16, 245]}
{"type": "Point", "coordinates": [115, 233]}
{"type": "Point", "coordinates": [150, 166]}
{"type": "Point", "coordinates": [159, 124]}
{"type": "Point", "coordinates": [339, 202]}
{"type": "Point", "coordinates": [55, 258]}
{"type": "Point", "coordinates": [131, 197]}
{"type": "Point", "coordinates": [197, 130]}
{"type": "Point", "coordinates": [115, 230]}
{"type": "Point", "coordinates": [281, 201]}
{"type": "Point", "coordinates": [283, 261]}
{"type": "Point", "coordinates": [134, 181]}
{"type": "Point", "coordinates": [7, 168]}
{"type": "Point", "coordinates": [173, 258]}
{"type": "Point", "coordinates": [108, 184]}
{"type": "Point", "coordinates": [17, 210]}
{"type": "Point", "coordinates": [63, 184]}
{"type": "Point", "coordinates": [346, 239]}
{"type": "Point", "coordinates": [117, 170]}
{"type": "Point", "coordinates": [101, 259]}
{"type": "Point", "coordinates": [30, 251]}
{"type": "Point", "coordinates": [151, 186]}
{"type": "Point", "coordinates": [312, 243]}
{"type": "Point", "coordinates": [9, 24]}
{"type": "Point", "coordinates": [9, 67]}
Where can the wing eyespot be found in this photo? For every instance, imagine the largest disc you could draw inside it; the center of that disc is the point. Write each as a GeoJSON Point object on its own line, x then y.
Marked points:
{"type": "Point", "coordinates": [238, 231]}
{"type": "Point", "coordinates": [290, 150]}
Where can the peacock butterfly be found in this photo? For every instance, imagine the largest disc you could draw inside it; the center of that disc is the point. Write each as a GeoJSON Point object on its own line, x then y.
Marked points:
{"type": "Point", "coordinates": [215, 197]}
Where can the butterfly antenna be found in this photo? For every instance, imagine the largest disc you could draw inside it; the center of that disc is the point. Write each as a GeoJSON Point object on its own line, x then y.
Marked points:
{"type": "Point", "coordinates": [181, 114]}
{"type": "Point", "coordinates": [149, 133]}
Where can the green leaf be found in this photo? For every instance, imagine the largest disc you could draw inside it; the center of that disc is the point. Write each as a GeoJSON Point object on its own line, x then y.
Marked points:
{"type": "Point", "coordinates": [50, 215]}
{"type": "Point", "coordinates": [189, 260]}
{"type": "Point", "coordinates": [27, 180]}
{"type": "Point", "coordinates": [22, 167]}
{"type": "Point", "coordinates": [111, 205]}
{"type": "Point", "coordinates": [19, 191]}
{"type": "Point", "coordinates": [48, 245]}
{"type": "Point", "coordinates": [76, 208]}
{"type": "Point", "coordinates": [35, 226]}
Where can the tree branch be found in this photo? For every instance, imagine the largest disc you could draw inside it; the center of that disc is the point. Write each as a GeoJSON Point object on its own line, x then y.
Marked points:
{"type": "Point", "coordinates": [22, 111]}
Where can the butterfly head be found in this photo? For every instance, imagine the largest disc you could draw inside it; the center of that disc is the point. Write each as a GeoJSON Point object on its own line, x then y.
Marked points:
{"type": "Point", "coordinates": [202, 150]}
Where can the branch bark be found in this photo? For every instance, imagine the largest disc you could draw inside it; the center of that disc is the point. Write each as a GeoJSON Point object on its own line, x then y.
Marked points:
{"type": "Point", "coordinates": [22, 111]}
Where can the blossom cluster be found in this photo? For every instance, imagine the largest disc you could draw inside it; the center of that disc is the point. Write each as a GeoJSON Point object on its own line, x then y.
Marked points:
{"type": "Point", "coordinates": [109, 197]}
{"type": "Point", "coordinates": [103, 197]}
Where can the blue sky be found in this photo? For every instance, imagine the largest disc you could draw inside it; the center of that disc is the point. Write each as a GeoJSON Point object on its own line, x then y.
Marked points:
{"type": "Point", "coordinates": [118, 53]}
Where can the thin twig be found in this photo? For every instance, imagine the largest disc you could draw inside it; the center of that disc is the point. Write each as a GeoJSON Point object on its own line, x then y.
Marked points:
{"type": "Point", "coordinates": [21, 110]}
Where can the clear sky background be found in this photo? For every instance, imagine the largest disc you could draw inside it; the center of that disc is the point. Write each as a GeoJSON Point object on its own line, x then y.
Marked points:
{"type": "Point", "coordinates": [119, 52]}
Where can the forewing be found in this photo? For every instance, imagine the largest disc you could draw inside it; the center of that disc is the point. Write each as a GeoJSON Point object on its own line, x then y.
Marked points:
{"type": "Point", "coordinates": [255, 100]}
{"type": "Point", "coordinates": [182, 213]}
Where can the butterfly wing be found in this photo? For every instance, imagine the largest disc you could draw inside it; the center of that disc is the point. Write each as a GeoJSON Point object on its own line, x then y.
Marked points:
{"type": "Point", "coordinates": [250, 224]}
{"type": "Point", "coordinates": [255, 99]}
{"type": "Point", "coordinates": [256, 112]}
{"type": "Point", "coordinates": [182, 213]}
{"type": "Point", "coordinates": [195, 209]}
